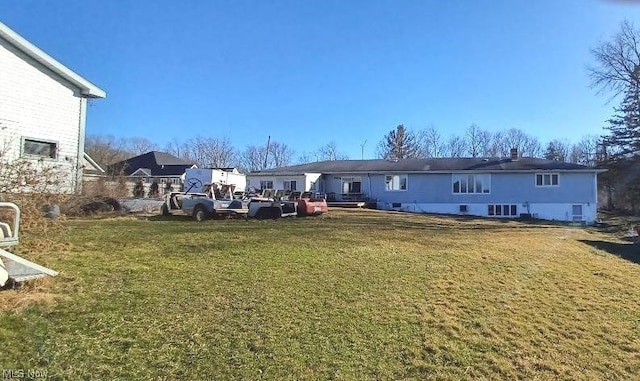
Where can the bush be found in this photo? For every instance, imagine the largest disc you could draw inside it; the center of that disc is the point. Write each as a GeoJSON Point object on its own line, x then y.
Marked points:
{"type": "Point", "coordinates": [34, 186]}
{"type": "Point", "coordinates": [138, 189]}
{"type": "Point", "coordinates": [154, 191]}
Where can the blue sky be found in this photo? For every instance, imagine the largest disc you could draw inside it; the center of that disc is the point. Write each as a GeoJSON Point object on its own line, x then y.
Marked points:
{"type": "Point", "coordinates": [310, 72]}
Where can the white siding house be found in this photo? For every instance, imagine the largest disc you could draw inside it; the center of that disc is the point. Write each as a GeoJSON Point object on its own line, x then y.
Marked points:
{"type": "Point", "coordinates": [43, 108]}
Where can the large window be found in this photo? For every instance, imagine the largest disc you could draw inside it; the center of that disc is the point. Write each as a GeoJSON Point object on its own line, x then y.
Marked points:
{"type": "Point", "coordinates": [477, 183]}
{"type": "Point", "coordinates": [39, 148]}
{"type": "Point", "coordinates": [266, 184]}
{"type": "Point", "coordinates": [547, 179]}
{"type": "Point", "coordinates": [395, 182]}
{"type": "Point", "coordinates": [351, 185]}
{"type": "Point", "coordinates": [289, 185]}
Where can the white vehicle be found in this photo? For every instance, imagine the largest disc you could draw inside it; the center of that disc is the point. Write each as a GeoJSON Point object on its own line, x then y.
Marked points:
{"type": "Point", "coordinates": [221, 176]}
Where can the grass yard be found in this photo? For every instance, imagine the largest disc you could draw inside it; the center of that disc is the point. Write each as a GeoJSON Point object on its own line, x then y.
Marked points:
{"type": "Point", "coordinates": [353, 295]}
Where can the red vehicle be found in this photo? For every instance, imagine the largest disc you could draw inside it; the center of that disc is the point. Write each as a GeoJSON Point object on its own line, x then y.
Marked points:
{"type": "Point", "coordinates": [311, 206]}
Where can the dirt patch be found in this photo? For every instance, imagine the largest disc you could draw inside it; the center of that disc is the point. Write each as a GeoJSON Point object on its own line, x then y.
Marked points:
{"type": "Point", "coordinates": [29, 294]}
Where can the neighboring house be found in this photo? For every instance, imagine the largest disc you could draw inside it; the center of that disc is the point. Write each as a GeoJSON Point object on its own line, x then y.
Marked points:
{"type": "Point", "coordinates": [505, 188]}
{"type": "Point", "coordinates": [154, 166]}
{"type": "Point", "coordinates": [43, 107]}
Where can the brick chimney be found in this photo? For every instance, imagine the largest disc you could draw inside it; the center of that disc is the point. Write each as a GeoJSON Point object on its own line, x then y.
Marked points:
{"type": "Point", "coordinates": [514, 154]}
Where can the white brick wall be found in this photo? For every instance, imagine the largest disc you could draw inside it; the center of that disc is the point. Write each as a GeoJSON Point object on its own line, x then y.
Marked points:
{"type": "Point", "coordinates": [35, 103]}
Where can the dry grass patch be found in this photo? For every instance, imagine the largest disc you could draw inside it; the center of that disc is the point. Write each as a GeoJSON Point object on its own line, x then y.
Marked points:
{"type": "Point", "coordinates": [356, 294]}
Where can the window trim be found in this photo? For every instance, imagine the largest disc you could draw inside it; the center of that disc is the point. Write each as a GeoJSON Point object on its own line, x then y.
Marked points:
{"type": "Point", "coordinates": [453, 181]}
{"type": "Point", "coordinates": [406, 182]}
{"type": "Point", "coordinates": [550, 174]}
{"type": "Point", "coordinates": [25, 155]}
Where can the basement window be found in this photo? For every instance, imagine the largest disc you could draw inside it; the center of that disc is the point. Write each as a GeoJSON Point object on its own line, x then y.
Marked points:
{"type": "Point", "coordinates": [40, 149]}
{"type": "Point", "coordinates": [508, 210]}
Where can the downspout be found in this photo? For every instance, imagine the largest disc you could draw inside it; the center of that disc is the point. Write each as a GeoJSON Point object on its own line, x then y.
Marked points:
{"type": "Point", "coordinates": [369, 180]}
{"type": "Point", "coordinates": [81, 135]}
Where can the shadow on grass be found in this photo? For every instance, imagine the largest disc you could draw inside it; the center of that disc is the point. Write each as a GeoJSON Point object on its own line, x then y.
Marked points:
{"type": "Point", "coordinates": [628, 251]}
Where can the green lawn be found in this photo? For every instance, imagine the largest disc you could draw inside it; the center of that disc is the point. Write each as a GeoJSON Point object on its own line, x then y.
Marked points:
{"type": "Point", "coordinates": [352, 295]}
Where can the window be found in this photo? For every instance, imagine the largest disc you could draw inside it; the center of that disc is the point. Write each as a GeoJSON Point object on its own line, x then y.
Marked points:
{"type": "Point", "coordinates": [351, 185]}
{"type": "Point", "coordinates": [547, 179]}
{"type": "Point", "coordinates": [395, 182]}
{"type": "Point", "coordinates": [478, 183]}
{"type": "Point", "coordinates": [39, 148]}
{"type": "Point", "coordinates": [577, 212]}
{"type": "Point", "coordinates": [289, 185]}
{"type": "Point", "coordinates": [502, 210]}
{"type": "Point", "coordinates": [266, 184]}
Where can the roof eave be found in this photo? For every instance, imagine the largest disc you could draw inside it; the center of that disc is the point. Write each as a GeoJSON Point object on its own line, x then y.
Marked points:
{"type": "Point", "coordinates": [440, 171]}
{"type": "Point", "coordinates": [87, 88]}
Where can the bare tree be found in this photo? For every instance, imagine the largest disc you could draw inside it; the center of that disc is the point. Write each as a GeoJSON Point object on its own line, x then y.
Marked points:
{"type": "Point", "coordinates": [330, 151]}
{"type": "Point", "coordinates": [178, 149]}
{"type": "Point", "coordinates": [617, 61]}
{"type": "Point", "coordinates": [139, 146]}
{"type": "Point", "coordinates": [210, 152]}
{"type": "Point", "coordinates": [498, 147]}
{"type": "Point", "coordinates": [279, 154]}
{"type": "Point", "coordinates": [107, 149]}
{"type": "Point", "coordinates": [252, 158]}
{"type": "Point", "coordinates": [477, 141]}
{"type": "Point", "coordinates": [456, 147]}
{"type": "Point", "coordinates": [307, 157]}
{"type": "Point", "coordinates": [585, 152]}
{"type": "Point", "coordinates": [432, 143]}
{"type": "Point", "coordinates": [532, 147]}
{"type": "Point", "coordinates": [526, 145]}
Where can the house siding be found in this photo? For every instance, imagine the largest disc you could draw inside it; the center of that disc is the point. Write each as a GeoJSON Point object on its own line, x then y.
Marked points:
{"type": "Point", "coordinates": [433, 193]}
{"type": "Point", "coordinates": [37, 104]}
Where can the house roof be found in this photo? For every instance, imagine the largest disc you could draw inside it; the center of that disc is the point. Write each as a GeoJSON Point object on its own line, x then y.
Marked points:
{"type": "Point", "coordinates": [87, 88]}
{"type": "Point", "coordinates": [427, 165]}
{"type": "Point", "coordinates": [154, 162]}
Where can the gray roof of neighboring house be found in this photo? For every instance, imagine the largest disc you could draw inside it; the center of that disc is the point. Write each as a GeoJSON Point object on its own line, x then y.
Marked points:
{"type": "Point", "coordinates": [87, 88]}
{"type": "Point", "coordinates": [428, 165]}
{"type": "Point", "coordinates": [158, 163]}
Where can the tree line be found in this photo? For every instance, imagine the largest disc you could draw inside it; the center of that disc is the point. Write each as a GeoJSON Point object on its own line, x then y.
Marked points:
{"type": "Point", "coordinates": [209, 152]}
{"type": "Point", "coordinates": [403, 143]}
{"type": "Point", "coordinates": [399, 143]}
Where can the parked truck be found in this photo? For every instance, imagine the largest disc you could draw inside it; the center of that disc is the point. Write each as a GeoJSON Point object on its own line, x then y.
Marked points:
{"type": "Point", "coordinates": [214, 201]}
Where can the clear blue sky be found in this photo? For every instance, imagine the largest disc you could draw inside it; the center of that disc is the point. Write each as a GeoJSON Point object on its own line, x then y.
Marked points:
{"type": "Point", "coordinates": [309, 72]}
